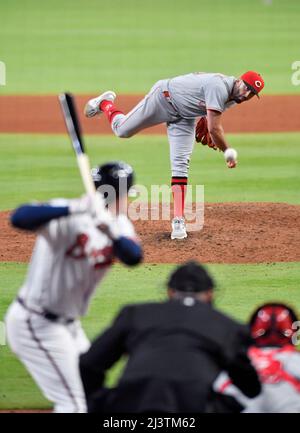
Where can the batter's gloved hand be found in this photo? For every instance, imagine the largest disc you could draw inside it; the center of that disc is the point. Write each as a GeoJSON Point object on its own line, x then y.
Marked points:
{"type": "Point", "coordinates": [85, 204]}
{"type": "Point", "coordinates": [202, 135]}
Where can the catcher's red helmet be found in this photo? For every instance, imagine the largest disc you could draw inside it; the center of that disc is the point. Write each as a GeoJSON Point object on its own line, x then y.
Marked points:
{"type": "Point", "coordinates": [254, 81]}
{"type": "Point", "coordinates": [271, 324]}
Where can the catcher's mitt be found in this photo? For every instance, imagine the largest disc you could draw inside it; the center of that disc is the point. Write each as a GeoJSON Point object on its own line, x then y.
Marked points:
{"type": "Point", "coordinates": [202, 135]}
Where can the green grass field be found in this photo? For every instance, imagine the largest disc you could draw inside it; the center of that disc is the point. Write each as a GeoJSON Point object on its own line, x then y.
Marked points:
{"type": "Point", "coordinates": [81, 46]}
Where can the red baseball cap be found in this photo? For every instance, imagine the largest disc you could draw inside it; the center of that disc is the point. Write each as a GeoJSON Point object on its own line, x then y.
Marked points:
{"type": "Point", "coordinates": [254, 81]}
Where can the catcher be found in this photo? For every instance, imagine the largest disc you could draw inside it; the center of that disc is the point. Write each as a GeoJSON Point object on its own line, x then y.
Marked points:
{"type": "Point", "coordinates": [178, 102]}
{"type": "Point", "coordinates": [276, 359]}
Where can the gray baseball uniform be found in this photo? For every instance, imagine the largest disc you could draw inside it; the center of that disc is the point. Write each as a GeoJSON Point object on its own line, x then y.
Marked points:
{"type": "Point", "coordinates": [71, 256]}
{"type": "Point", "coordinates": [279, 371]}
{"type": "Point", "coordinates": [178, 102]}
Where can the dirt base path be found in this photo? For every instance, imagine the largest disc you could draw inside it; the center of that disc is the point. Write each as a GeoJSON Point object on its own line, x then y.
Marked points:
{"type": "Point", "coordinates": [41, 114]}
{"type": "Point", "coordinates": [232, 233]}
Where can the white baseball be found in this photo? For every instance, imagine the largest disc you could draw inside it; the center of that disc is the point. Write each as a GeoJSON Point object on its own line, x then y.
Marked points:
{"type": "Point", "coordinates": [230, 155]}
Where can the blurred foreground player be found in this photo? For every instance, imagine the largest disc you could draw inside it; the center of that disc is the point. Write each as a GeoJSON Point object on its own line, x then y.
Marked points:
{"type": "Point", "coordinates": [176, 349]}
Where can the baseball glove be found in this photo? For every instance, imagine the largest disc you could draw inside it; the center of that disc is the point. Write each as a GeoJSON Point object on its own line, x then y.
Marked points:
{"type": "Point", "coordinates": [202, 135]}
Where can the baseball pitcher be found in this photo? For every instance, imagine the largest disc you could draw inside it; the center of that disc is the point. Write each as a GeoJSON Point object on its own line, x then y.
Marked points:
{"type": "Point", "coordinates": [178, 102]}
{"type": "Point", "coordinates": [74, 250]}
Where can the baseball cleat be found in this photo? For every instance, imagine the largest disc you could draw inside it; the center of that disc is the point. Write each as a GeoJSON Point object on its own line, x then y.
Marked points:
{"type": "Point", "coordinates": [92, 107]}
{"type": "Point", "coordinates": [178, 228]}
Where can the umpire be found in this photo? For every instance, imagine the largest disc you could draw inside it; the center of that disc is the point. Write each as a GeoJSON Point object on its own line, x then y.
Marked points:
{"type": "Point", "coordinates": [175, 351]}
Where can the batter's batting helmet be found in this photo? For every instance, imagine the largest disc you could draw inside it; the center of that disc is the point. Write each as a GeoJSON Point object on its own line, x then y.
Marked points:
{"type": "Point", "coordinates": [271, 324]}
{"type": "Point", "coordinates": [117, 174]}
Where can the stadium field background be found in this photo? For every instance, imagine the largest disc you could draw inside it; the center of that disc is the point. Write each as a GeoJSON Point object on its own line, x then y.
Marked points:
{"type": "Point", "coordinates": [88, 47]}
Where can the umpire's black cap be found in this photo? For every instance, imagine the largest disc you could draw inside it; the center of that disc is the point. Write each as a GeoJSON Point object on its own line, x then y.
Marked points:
{"type": "Point", "coordinates": [117, 174]}
{"type": "Point", "coordinates": [190, 277]}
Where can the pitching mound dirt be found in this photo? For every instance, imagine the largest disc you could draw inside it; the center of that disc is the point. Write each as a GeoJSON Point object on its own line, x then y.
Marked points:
{"type": "Point", "coordinates": [232, 233]}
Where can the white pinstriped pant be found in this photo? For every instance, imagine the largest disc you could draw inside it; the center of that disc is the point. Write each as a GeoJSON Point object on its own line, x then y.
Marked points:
{"type": "Point", "coordinates": [153, 110]}
{"type": "Point", "coordinates": [50, 352]}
